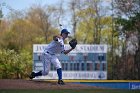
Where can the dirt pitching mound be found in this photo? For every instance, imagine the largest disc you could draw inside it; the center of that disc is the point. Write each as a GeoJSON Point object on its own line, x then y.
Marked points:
{"type": "Point", "coordinates": [29, 84]}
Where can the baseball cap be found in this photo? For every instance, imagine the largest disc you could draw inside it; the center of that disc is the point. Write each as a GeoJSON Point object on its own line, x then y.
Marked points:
{"type": "Point", "coordinates": [65, 31]}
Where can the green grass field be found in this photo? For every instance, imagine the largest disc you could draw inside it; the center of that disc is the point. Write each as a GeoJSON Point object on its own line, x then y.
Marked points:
{"type": "Point", "coordinates": [70, 91]}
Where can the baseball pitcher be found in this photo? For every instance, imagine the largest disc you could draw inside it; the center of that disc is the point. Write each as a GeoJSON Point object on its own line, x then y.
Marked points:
{"type": "Point", "coordinates": [49, 55]}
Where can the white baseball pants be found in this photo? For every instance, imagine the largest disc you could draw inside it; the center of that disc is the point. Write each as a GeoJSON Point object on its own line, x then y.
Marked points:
{"type": "Point", "coordinates": [47, 60]}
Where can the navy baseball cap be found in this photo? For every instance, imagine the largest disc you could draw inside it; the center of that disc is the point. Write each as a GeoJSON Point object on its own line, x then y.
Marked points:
{"type": "Point", "coordinates": [65, 31]}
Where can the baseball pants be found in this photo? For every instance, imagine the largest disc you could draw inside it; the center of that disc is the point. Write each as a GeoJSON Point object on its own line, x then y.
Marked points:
{"type": "Point", "coordinates": [47, 60]}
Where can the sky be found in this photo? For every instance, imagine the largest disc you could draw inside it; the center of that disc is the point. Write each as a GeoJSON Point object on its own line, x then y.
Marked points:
{"type": "Point", "coordinates": [7, 5]}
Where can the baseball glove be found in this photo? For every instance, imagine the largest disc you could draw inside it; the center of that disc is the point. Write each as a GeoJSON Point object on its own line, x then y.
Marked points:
{"type": "Point", "coordinates": [73, 43]}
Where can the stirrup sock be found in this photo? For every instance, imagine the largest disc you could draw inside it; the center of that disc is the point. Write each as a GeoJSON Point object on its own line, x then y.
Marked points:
{"type": "Point", "coordinates": [38, 73]}
{"type": "Point", "coordinates": [59, 72]}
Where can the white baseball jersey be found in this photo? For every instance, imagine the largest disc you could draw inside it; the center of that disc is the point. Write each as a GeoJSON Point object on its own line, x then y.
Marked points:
{"type": "Point", "coordinates": [55, 47]}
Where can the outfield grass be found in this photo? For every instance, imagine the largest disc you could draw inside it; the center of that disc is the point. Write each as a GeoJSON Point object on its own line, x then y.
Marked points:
{"type": "Point", "coordinates": [70, 91]}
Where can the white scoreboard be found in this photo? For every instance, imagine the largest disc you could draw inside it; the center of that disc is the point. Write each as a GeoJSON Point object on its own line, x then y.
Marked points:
{"type": "Point", "coordinates": [84, 62]}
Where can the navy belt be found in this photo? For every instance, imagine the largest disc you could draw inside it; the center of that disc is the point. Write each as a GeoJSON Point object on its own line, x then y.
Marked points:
{"type": "Point", "coordinates": [50, 53]}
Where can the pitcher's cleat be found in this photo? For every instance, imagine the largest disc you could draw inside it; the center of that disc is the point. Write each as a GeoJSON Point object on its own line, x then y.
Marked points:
{"type": "Point", "coordinates": [32, 75]}
{"type": "Point", "coordinates": [60, 82]}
